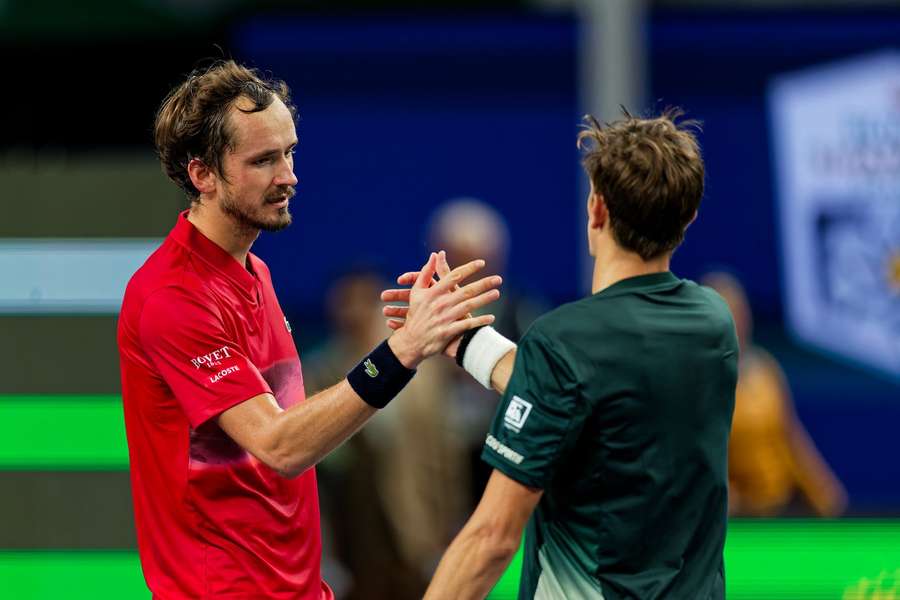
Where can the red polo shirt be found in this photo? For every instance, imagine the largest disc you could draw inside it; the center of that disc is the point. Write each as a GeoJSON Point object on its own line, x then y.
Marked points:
{"type": "Point", "coordinates": [198, 334]}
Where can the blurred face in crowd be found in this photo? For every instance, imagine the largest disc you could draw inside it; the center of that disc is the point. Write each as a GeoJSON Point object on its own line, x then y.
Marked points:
{"type": "Point", "coordinates": [259, 178]}
{"type": "Point", "coordinates": [354, 304]}
{"type": "Point", "coordinates": [469, 229]}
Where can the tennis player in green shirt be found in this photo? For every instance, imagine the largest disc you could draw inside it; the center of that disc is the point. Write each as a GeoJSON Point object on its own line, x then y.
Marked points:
{"type": "Point", "coordinates": [609, 446]}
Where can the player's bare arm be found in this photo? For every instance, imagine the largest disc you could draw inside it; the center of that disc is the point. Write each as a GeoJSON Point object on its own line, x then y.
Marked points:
{"type": "Point", "coordinates": [482, 550]}
{"type": "Point", "coordinates": [503, 371]}
{"type": "Point", "coordinates": [290, 441]}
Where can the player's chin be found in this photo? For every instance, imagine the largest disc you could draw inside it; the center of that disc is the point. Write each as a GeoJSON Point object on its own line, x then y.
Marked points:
{"type": "Point", "coordinates": [281, 219]}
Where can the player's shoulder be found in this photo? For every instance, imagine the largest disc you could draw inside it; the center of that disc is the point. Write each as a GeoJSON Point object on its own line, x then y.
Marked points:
{"type": "Point", "coordinates": [163, 265]}
{"type": "Point", "coordinates": [571, 315]}
{"type": "Point", "coordinates": [716, 303]}
{"type": "Point", "coordinates": [559, 324]}
{"type": "Point", "coordinates": [168, 277]}
{"type": "Point", "coordinates": [718, 321]}
{"type": "Point", "coordinates": [558, 315]}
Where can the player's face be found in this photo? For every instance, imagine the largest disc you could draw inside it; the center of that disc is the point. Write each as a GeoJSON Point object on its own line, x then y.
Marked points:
{"type": "Point", "coordinates": [260, 168]}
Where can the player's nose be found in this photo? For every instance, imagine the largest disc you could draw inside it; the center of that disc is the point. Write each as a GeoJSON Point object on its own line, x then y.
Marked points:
{"type": "Point", "coordinates": [286, 177]}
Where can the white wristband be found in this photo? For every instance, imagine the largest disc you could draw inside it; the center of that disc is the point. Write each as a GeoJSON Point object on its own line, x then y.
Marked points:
{"type": "Point", "coordinates": [484, 351]}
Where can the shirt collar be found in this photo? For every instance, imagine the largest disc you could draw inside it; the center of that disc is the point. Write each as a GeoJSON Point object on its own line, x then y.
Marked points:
{"type": "Point", "coordinates": [190, 237]}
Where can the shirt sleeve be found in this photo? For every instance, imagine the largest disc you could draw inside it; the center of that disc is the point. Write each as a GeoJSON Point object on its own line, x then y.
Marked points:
{"type": "Point", "coordinates": [207, 370]}
{"type": "Point", "coordinates": [539, 418]}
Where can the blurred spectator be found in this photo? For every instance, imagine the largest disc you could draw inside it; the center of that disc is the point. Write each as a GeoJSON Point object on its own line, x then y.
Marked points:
{"type": "Point", "coordinates": [395, 494]}
{"type": "Point", "coordinates": [771, 457]}
{"type": "Point", "coordinates": [467, 228]}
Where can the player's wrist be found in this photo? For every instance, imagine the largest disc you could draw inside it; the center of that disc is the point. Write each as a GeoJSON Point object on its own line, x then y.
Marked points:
{"type": "Point", "coordinates": [404, 350]}
{"type": "Point", "coordinates": [380, 376]}
{"type": "Point", "coordinates": [480, 350]}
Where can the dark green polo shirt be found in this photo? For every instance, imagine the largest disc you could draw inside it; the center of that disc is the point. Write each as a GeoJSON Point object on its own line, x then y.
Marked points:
{"type": "Point", "coordinates": [619, 408]}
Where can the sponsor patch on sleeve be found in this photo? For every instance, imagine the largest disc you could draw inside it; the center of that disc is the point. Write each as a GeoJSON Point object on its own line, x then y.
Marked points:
{"type": "Point", "coordinates": [213, 359]}
{"type": "Point", "coordinates": [516, 414]}
{"type": "Point", "coordinates": [503, 450]}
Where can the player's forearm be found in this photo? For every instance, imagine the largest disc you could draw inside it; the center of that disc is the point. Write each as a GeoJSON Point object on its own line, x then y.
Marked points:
{"type": "Point", "coordinates": [472, 564]}
{"type": "Point", "coordinates": [503, 371]}
{"type": "Point", "coordinates": [306, 433]}
{"type": "Point", "coordinates": [291, 441]}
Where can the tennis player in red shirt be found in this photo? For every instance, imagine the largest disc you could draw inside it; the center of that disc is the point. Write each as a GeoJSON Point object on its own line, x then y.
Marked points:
{"type": "Point", "coordinates": [221, 437]}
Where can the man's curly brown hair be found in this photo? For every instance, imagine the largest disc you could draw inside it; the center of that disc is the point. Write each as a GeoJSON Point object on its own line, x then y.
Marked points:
{"type": "Point", "coordinates": [193, 119]}
{"type": "Point", "coordinates": [650, 174]}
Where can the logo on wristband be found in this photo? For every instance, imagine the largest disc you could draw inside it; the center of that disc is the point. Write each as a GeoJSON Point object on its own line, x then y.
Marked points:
{"type": "Point", "coordinates": [371, 369]}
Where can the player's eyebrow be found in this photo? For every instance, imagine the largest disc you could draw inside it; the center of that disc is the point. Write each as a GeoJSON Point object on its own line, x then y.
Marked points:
{"type": "Point", "coordinates": [270, 152]}
{"type": "Point", "coordinates": [264, 154]}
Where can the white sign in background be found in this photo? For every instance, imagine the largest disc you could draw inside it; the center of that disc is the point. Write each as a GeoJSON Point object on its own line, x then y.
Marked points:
{"type": "Point", "coordinates": [836, 138]}
{"type": "Point", "coordinates": [68, 276]}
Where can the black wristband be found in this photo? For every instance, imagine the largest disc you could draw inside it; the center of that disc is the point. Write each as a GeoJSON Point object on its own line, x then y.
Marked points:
{"type": "Point", "coordinates": [379, 377]}
{"type": "Point", "coordinates": [464, 343]}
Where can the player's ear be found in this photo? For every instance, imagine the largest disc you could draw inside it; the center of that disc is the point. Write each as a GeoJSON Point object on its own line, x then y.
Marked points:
{"type": "Point", "coordinates": [694, 218]}
{"type": "Point", "coordinates": [597, 212]}
{"type": "Point", "coordinates": [202, 176]}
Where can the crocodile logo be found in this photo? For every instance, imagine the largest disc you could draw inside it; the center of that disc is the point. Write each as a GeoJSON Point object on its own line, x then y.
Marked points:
{"type": "Point", "coordinates": [371, 369]}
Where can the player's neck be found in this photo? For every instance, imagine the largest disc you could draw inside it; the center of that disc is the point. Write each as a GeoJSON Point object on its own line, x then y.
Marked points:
{"type": "Point", "coordinates": [223, 231]}
{"type": "Point", "coordinates": [612, 264]}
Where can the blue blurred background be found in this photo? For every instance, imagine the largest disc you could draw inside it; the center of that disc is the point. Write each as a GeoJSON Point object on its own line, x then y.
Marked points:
{"type": "Point", "coordinates": [401, 114]}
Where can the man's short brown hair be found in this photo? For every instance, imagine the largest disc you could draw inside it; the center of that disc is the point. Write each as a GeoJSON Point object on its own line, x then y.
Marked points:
{"type": "Point", "coordinates": [650, 174]}
{"type": "Point", "coordinates": [193, 119]}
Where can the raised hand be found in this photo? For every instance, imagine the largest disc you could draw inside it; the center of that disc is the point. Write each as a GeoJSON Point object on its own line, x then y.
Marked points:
{"type": "Point", "coordinates": [396, 315]}
{"type": "Point", "coordinates": [439, 311]}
